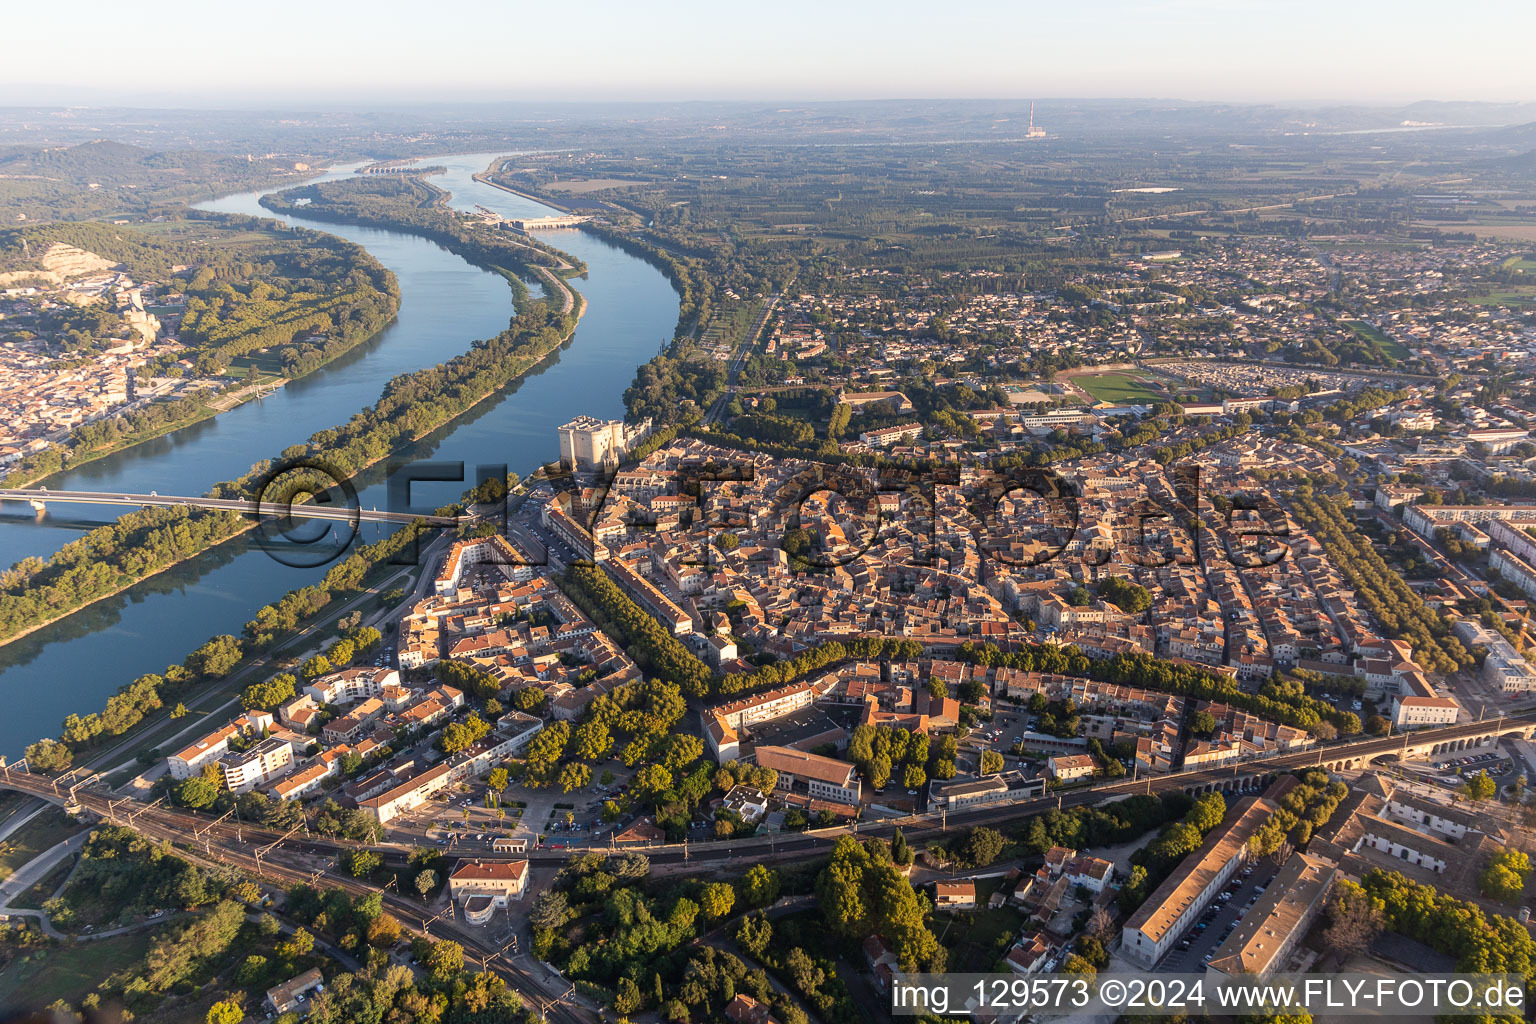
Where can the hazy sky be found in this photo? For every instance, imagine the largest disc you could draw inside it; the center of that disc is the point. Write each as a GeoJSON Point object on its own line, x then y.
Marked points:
{"type": "Point", "coordinates": [282, 51]}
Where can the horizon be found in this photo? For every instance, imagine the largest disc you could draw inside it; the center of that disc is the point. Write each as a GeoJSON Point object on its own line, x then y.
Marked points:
{"type": "Point", "coordinates": [1259, 51]}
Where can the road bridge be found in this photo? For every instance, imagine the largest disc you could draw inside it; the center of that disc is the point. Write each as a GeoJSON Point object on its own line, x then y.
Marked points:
{"type": "Point", "coordinates": [40, 497]}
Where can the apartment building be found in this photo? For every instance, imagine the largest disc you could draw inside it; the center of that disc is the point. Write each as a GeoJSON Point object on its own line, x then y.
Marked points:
{"type": "Point", "coordinates": [722, 724]}
{"type": "Point", "coordinates": [258, 765]}
{"type": "Point", "coordinates": [352, 684]}
{"type": "Point", "coordinates": [190, 760]}
{"type": "Point", "coordinates": [824, 777]}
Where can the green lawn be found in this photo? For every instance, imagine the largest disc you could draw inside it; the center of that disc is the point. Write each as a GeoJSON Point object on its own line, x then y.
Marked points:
{"type": "Point", "coordinates": [1518, 295]}
{"type": "Point", "coordinates": [1524, 263]}
{"type": "Point", "coordinates": [34, 980]}
{"type": "Point", "coordinates": [1371, 333]}
{"type": "Point", "coordinates": [1118, 388]}
{"type": "Point", "coordinates": [44, 831]}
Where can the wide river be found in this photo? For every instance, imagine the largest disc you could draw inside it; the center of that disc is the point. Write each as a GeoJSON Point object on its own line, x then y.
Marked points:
{"type": "Point", "coordinates": [76, 663]}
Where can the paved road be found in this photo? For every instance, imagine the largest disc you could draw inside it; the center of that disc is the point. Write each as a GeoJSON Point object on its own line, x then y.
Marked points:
{"type": "Point", "coordinates": [33, 871]}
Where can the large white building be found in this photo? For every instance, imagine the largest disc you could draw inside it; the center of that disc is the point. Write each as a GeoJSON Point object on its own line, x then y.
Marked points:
{"type": "Point", "coordinates": [482, 886]}
{"type": "Point", "coordinates": [190, 760]}
{"type": "Point", "coordinates": [257, 765]}
{"type": "Point", "coordinates": [722, 724]}
{"type": "Point", "coordinates": [1417, 712]}
{"type": "Point", "coordinates": [352, 684]}
{"type": "Point", "coordinates": [589, 443]}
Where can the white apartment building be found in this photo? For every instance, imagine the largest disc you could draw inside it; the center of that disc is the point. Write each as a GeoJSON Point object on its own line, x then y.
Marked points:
{"type": "Point", "coordinates": [244, 770]}
{"type": "Point", "coordinates": [352, 684]}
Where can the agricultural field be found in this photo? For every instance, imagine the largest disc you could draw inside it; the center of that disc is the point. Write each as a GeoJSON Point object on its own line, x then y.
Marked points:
{"type": "Point", "coordinates": [1120, 388]}
{"type": "Point", "coordinates": [582, 186]}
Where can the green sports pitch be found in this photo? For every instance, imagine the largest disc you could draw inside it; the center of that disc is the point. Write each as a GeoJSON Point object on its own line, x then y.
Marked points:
{"type": "Point", "coordinates": [1119, 388]}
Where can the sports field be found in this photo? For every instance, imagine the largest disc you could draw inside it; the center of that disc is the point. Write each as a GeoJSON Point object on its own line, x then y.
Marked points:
{"type": "Point", "coordinates": [1371, 332]}
{"type": "Point", "coordinates": [1118, 388]}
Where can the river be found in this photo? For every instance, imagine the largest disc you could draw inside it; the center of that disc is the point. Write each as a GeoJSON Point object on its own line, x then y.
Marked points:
{"type": "Point", "coordinates": [76, 663]}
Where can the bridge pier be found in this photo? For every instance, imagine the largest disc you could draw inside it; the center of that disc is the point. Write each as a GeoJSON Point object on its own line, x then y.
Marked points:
{"type": "Point", "coordinates": [38, 506]}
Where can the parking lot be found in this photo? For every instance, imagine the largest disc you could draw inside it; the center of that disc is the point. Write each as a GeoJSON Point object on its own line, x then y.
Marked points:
{"type": "Point", "coordinates": [1210, 930]}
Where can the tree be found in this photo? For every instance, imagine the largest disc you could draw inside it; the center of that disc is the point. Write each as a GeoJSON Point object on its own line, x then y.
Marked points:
{"type": "Point", "coordinates": [754, 934]}
{"type": "Point", "coordinates": [1274, 1015]}
{"type": "Point", "coordinates": [901, 852]}
{"type": "Point", "coordinates": [252, 970]}
{"type": "Point", "coordinates": [215, 658]}
{"type": "Point", "coordinates": [1499, 882]}
{"type": "Point", "coordinates": [383, 931]}
{"type": "Point", "coordinates": [315, 667]}
{"type": "Point", "coordinates": [362, 862]}
{"type": "Point", "coordinates": [297, 946]}
{"type": "Point", "coordinates": [1353, 920]}
{"type": "Point", "coordinates": [914, 776]}
{"type": "Point", "coordinates": [268, 695]}
{"type": "Point", "coordinates": [1202, 723]}
{"type": "Point", "coordinates": [981, 847]}
{"type": "Point", "coordinates": [426, 881]}
{"type": "Point", "coordinates": [445, 959]}
{"type": "Point", "coordinates": [575, 775]}
{"type": "Point", "coordinates": [1480, 787]}
{"type": "Point", "coordinates": [1505, 876]}
{"type": "Point", "coordinates": [198, 792]}
{"type": "Point", "coordinates": [627, 998]}
{"type": "Point", "coordinates": [1075, 964]}
{"type": "Point", "coordinates": [550, 909]}
{"type": "Point", "coordinates": [179, 711]}
{"type": "Point", "coordinates": [716, 900]}
{"type": "Point", "coordinates": [225, 1011]}
{"type": "Point", "coordinates": [991, 762]}
{"type": "Point", "coordinates": [653, 779]}
{"type": "Point", "coordinates": [760, 885]}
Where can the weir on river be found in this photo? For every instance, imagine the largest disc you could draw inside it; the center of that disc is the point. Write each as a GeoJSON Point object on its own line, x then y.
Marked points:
{"type": "Point", "coordinates": [73, 665]}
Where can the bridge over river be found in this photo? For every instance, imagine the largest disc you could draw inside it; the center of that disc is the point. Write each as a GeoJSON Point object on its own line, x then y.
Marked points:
{"type": "Point", "coordinates": [40, 497]}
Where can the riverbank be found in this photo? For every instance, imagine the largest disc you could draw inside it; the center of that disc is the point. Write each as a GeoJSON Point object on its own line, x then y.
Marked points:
{"type": "Point", "coordinates": [679, 273]}
{"type": "Point", "coordinates": [530, 356]}
{"type": "Point", "coordinates": [627, 308]}
{"type": "Point", "coordinates": [205, 411]}
{"type": "Point", "coordinates": [313, 321]}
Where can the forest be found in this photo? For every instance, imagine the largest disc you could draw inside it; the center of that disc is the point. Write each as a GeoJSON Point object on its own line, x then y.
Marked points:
{"type": "Point", "coordinates": [246, 286]}
{"type": "Point", "coordinates": [54, 183]}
